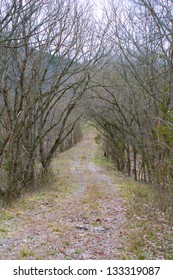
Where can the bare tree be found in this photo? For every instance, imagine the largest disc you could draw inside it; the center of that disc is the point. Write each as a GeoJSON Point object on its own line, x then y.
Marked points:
{"type": "Point", "coordinates": [135, 89]}
{"type": "Point", "coordinates": [49, 52]}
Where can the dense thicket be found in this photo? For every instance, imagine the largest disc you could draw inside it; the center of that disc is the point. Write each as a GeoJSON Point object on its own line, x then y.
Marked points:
{"type": "Point", "coordinates": [47, 50]}
{"type": "Point", "coordinates": [54, 56]}
{"type": "Point", "coordinates": [133, 103]}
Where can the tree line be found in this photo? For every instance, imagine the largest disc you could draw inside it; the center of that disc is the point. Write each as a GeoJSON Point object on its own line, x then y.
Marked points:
{"type": "Point", "coordinates": [132, 104]}
{"type": "Point", "coordinates": [58, 63]}
{"type": "Point", "coordinates": [47, 50]}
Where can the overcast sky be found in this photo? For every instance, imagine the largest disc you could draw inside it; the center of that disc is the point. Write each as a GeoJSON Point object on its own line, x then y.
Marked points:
{"type": "Point", "coordinates": [97, 4]}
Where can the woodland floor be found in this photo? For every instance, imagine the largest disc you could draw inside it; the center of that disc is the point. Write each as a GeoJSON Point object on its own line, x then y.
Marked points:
{"type": "Point", "coordinates": [87, 212]}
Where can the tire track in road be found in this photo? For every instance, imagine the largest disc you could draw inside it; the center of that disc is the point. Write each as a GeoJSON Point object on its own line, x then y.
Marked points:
{"type": "Point", "coordinates": [103, 221]}
{"type": "Point", "coordinates": [87, 224]}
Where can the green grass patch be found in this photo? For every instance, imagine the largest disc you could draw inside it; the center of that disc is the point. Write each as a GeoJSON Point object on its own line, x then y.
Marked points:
{"type": "Point", "coordinates": [3, 230]}
{"type": "Point", "coordinates": [19, 213]}
{"type": "Point", "coordinates": [102, 161]}
{"type": "Point", "coordinates": [83, 157]}
{"type": "Point", "coordinates": [86, 200]}
{"type": "Point", "coordinates": [25, 253]}
{"type": "Point", "coordinates": [6, 216]}
{"type": "Point", "coordinates": [30, 237]}
{"type": "Point", "coordinates": [95, 224]}
{"type": "Point", "coordinates": [78, 251]}
{"type": "Point", "coordinates": [98, 139]}
{"type": "Point", "coordinates": [66, 243]}
{"type": "Point", "coordinates": [38, 197]}
{"type": "Point", "coordinates": [94, 206]}
{"type": "Point", "coordinates": [134, 190]}
{"type": "Point", "coordinates": [55, 229]}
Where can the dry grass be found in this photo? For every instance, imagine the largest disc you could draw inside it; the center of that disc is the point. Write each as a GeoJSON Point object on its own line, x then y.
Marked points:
{"type": "Point", "coordinates": [148, 230]}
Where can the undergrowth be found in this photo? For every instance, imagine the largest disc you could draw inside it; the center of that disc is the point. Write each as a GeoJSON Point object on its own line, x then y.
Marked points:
{"type": "Point", "coordinates": [148, 230]}
{"type": "Point", "coordinates": [149, 234]}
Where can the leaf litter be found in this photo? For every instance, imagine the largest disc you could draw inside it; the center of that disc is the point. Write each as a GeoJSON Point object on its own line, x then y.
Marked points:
{"type": "Point", "coordinates": [83, 214]}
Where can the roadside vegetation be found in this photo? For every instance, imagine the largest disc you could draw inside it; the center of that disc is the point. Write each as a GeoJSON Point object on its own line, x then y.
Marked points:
{"type": "Point", "coordinates": [148, 230]}
{"type": "Point", "coordinates": [126, 216]}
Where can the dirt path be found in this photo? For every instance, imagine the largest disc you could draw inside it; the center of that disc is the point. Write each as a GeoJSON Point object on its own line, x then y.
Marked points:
{"type": "Point", "coordinates": [79, 218]}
